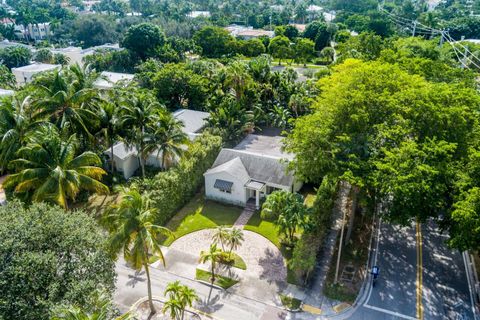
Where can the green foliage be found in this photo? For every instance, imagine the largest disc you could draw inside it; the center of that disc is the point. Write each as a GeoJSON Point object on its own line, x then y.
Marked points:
{"type": "Point", "coordinates": [15, 56]}
{"type": "Point", "coordinates": [174, 188]}
{"type": "Point", "coordinates": [49, 169]}
{"type": "Point", "coordinates": [288, 212]}
{"type": "Point", "coordinates": [7, 79]}
{"type": "Point", "coordinates": [252, 48]}
{"type": "Point", "coordinates": [465, 221]}
{"type": "Point", "coordinates": [115, 61]}
{"type": "Point", "coordinates": [304, 50]}
{"type": "Point", "coordinates": [392, 134]}
{"type": "Point", "coordinates": [44, 55]}
{"type": "Point", "coordinates": [279, 47]}
{"type": "Point", "coordinates": [179, 298]}
{"type": "Point", "coordinates": [88, 30]}
{"type": "Point", "coordinates": [35, 244]}
{"type": "Point", "coordinates": [178, 86]}
{"type": "Point", "coordinates": [214, 41]}
{"type": "Point", "coordinates": [220, 281]}
{"type": "Point", "coordinates": [143, 40]}
{"type": "Point", "coordinates": [365, 46]}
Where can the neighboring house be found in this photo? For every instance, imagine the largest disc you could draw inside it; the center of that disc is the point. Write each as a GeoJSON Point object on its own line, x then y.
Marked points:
{"type": "Point", "coordinates": [74, 54]}
{"type": "Point", "coordinates": [6, 93]}
{"type": "Point", "coordinates": [254, 168]}
{"type": "Point", "coordinates": [196, 14]}
{"type": "Point", "coordinates": [6, 43]}
{"type": "Point", "coordinates": [248, 32]}
{"type": "Point", "coordinates": [126, 159]}
{"type": "Point", "coordinates": [108, 80]}
{"type": "Point", "coordinates": [25, 74]}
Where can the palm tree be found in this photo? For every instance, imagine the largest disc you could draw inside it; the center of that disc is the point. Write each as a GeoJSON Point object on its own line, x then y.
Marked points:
{"type": "Point", "coordinates": [180, 297]}
{"type": "Point", "coordinates": [133, 232]}
{"type": "Point", "coordinates": [136, 113]}
{"type": "Point", "coordinates": [213, 255]}
{"type": "Point", "coordinates": [15, 125]}
{"type": "Point", "coordinates": [49, 168]}
{"type": "Point", "coordinates": [67, 96]}
{"type": "Point", "coordinates": [234, 239]}
{"type": "Point", "coordinates": [238, 79]}
{"type": "Point", "coordinates": [107, 114]}
{"type": "Point", "coordinates": [220, 235]}
{"type": "Point", "coordinates": [167, 138]}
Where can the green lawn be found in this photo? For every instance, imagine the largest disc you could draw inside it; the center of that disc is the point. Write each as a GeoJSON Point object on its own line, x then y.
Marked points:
{"type": "Point", "coordinates": [200, 214]}
{"type": "Point", "coordinates": [221, 281]}
{"type": "Point", "coordinates": [270, 231]}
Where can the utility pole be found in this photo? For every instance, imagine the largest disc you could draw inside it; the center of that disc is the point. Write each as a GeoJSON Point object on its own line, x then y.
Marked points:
{"type": "Point", "coordinates": [340, 244]}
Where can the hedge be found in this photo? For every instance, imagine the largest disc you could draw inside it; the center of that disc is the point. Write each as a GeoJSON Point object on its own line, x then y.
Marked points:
{"type": "Point", "coordinates": [172, 189]}
{"type": "Point", "coordinates": [305, 252]}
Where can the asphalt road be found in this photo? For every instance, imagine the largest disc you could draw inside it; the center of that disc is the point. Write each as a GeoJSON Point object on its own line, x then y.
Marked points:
{"type": "Point", "coordinates": [442, 287]}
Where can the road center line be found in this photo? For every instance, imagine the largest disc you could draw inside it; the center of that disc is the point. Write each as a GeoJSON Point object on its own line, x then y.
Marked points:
{"type": "Point", "coordinates": [419, 272]}
{"type": "Point", "coordinates": [393, 313]}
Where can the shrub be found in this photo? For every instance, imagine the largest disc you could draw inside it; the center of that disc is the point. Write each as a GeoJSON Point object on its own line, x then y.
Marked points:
{"type": "Point", "coordinates": [174, 188]}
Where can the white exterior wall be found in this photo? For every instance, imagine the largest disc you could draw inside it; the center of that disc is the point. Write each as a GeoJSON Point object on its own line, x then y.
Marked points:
{"type": "Point", "coordinates": [238, 195]}
{"type": "Point", "coordinates": [24, 77]}
{"type": "Point", "coordinates": [127, 166]}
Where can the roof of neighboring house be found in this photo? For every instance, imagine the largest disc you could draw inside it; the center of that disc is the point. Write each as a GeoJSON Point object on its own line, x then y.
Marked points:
{"type": "Point", "coordinates": [121, 151]}
{"type": "Point", "coordinates": [255, 33]}
{"type": "Point", "coordinates": [38, 67]}
{"type": "Point", "coordinates": [300, 27]}
{"type": "Point", "coordinates": [66, 50]}
{"type": "Point", "coordinates": [193, 121]}
{"type": "Point", "coordinates": [196, 14]}
{"type": "Point", "coordinates": [270, 146]}
{"type": "Point", "coordinates": [260, 156]}
{"type": "Point", "coordinates": [109, 79]}
{"type": "Point", "coordinates": [5, 92]}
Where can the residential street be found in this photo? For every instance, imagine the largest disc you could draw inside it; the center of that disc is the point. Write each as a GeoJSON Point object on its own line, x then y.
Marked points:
{"type": "Point", "coordinates": [444, 290]}
{"type": "Point", "coordinates": [444, 286]}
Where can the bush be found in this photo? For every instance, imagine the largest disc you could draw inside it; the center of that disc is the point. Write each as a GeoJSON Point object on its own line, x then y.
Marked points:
{"type": "Point", "coordinates": [172, 189]}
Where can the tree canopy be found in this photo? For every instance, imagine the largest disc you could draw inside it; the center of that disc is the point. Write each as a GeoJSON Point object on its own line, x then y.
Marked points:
{"type": "Point", "coordinates": [49, 257]}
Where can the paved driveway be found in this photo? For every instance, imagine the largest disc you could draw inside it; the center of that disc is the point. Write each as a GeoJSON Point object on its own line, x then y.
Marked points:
{"type": "Point", "coordinates": [266, 272]}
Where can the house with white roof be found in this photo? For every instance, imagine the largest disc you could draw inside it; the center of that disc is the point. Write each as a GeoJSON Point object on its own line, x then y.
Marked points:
{"type": "Point", "coordinates": [6, 93]}
{"type": "Point", "coordinates": [108, 80]}
{"type": "Point", "coordinates": [253, 169]}
{"type": "Point", "coordinates": [74, 54]}
{"type": "Point", "coordinates": [25, 74]}
{"type": "Point", "coordinates": [126, 159]}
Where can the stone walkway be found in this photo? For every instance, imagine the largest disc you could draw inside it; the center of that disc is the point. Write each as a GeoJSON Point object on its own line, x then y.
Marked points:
{"type": "Point", "coordinates": [247, 213]}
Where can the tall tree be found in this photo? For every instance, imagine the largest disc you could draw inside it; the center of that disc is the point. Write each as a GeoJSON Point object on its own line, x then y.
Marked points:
{"type": "Point", "coordinates": [144, 39]}
{"type": "Point", "coordinates": [180, 297]}
{"type": "Point", "coordinates": [134, 233]}
{"type": "Point", "coordinates": [49, 258]}
{"type": "Point", "coordinates": [213, 255]}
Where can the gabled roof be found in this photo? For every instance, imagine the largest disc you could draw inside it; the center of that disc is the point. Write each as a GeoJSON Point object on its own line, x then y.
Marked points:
{"type": "Point", "coordinates": [234, 167]}
{"type": "Point", "coordinates": [193, 121]}
{"type": "Point", "coordinates": [262, 168]}
{"type": "Point", "coordinates": [121, 151]}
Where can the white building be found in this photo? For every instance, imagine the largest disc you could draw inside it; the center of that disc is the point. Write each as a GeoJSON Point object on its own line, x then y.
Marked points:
{"type": "Point", "coordinates": [74, 54]}
{"type": "Point", "coordinates": [6, 93]}
{"type": "Point", "coordinates": [248, 32]}
{"type": "Point", "coordinates": [197, 14]}
{"type": "Point", "coordinates": [126, 159]}
{"type": "Point", "coordinates": [25, 74]}
{"type": "Point", "coordinates": [108, 80]}
{"type": "Point", "coordinates": [254, 168]}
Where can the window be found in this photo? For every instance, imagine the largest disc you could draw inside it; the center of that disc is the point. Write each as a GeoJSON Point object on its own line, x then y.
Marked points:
{"type": "Point", "coordinates": [223, 186]}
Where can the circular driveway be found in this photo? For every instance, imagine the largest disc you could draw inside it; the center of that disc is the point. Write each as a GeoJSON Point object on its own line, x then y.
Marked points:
{"type": "Point", "coordinates": [263, 259]}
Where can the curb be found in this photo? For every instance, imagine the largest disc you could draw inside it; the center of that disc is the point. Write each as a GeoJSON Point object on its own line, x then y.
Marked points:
{"type": "Point", "coordinates": [366, 288]}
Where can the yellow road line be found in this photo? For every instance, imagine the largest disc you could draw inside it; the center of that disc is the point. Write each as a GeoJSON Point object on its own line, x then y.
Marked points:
{"type": "Point", "coordinates": [419, 272]}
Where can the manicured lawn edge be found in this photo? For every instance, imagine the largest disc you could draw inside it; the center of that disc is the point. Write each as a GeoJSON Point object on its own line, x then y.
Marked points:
{"type": "Point", "coordinates": [220, 281]}
{"type": "Point", "coordinates": [237, 262]}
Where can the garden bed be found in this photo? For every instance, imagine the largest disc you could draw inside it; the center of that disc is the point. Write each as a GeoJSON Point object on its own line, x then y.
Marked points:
{"type": "Point", "coordinates": [220, 281]}
{"type": "Point", "coordinates": [235, 261]}
{"type": "Point", "coordinates": [290, 303]}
